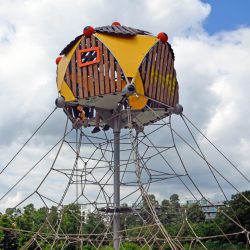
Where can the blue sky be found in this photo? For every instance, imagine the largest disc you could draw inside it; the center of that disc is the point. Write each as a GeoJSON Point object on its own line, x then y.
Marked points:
{"type": "Point", "coordinates": [227, 15]}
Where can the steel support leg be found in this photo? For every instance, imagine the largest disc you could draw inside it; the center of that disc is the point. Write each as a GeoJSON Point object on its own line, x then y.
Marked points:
{"type": "Point", "coordinates": [116, 220]}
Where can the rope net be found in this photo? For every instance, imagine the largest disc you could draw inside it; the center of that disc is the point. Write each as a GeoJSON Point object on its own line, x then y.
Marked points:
{"type": "Point", "coordinates": [75, 196]}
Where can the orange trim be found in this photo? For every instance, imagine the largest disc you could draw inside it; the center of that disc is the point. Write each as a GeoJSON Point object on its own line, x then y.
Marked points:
{"type": "Point", "coordinates": [79, 58]}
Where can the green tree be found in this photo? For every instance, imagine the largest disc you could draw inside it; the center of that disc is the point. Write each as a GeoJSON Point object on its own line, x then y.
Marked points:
{"type": "Point", "coordinates": [174, 212]}
{"type": "Point", "coordinates": [195, 214]}
{"type": "Point", "coordinates": [8, 238]}
{"type": "Point", "coordinates": [52, 216]}
{"type": "Point", "coordinates": [71, 219]}
{"type": "Point", "coordinates": [165, 205]}
{"type": "Point", "coordinates": [241, 206]}
{"type": "Point", "coordinates": [170, 214]}
{"type": "Point", "coordinates": [207, 228]}
{"type": "Point", "coordinates": [128, 218]}
{"type": "Point", "coordinates": [238, 209]}
{"type": "Point", "coordinates": [25, 221]}
{"type": "Point", "coordinates": [94, 224]}
{"type": "Point", "coordinates": [152, 200]}
{"type": "Point", "coordinates": [164, 215]}
{"type": "Point", "coordinates": [39, 217]}
{"type": "Point", "coordinates": [175, 201]}
{"type": "Point", "coordinates": [148, 201]}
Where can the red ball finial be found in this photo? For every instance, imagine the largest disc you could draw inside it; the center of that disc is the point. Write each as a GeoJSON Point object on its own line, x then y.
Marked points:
{"type": "Point", "coordinates": [88, 31]}
{"type": "Point", "coordinates": [58, 59]}
{"type": "Point", "coordinates": [116, 24]}
{"type": "Point", "coordinates": [163, 37]}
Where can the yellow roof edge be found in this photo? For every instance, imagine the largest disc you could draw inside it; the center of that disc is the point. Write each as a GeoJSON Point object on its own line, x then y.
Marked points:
{"type": "Point", "coordinates": [63, 64]}
{"type": "Point", "coordinates": [66, 92]}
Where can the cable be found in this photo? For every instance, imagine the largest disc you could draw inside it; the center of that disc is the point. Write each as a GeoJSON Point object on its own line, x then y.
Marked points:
{"type": "Point", "coordinates": [184, 116]}
{"type": "Point", "coordinates": [27, 141]}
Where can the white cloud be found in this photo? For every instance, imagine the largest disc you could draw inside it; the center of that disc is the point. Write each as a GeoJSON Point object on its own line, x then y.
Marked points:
{"type": "Point", "coordinates": [166, 14]}
{"type": "Point", "coordinates": [215, 71]}
{"type": "Point", "coordinates": [212, 71]}
{"type": "Point", "coordinates": [12, 201]}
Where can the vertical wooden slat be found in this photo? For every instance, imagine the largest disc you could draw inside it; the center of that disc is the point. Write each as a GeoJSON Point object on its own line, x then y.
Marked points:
{"type": "Point", "coordinates": [152, 72]}
{"type": "Point", "coordinates": [176, 94]}
{"type": "Point", "coordinates": [73, 73]}
{"type": "Point", "coordinates": [147, 77]}
{"type": "Point", "coordinates": [68, 77]}
{"type": "Point", "coordinates": [112, 73]}
{"type": "Point", "coordinates": [96, 73]}
{"type": "Point", "coordinates": [101, 78]}
{"type": "Point", "coordinates": [84, 74]}
{"type": "Point", "coordinates": [159, 88]}
{"type": "Point", "coordinates": [106, 65]}
{"type": "Point", "coordinates": [90, 87]}
{"type": "Point", "coordinates": [143, 68]}
{"type": "Point", "coordinates": [164, 73]}
{"type": "Point", "coordinates": [156, 72]}
{"type": "Point", "coordinates": [90, 73]}
{"type": "Point", "coordinates": [79, 77]}
{"type": "Point", "coordinates": [119, 77]}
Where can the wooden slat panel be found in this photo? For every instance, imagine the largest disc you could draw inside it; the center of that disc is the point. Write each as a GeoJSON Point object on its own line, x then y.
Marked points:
{"type": "Point", "coordinates": [115, 29]}
{"type": "Point", "coordinates": [96, 73]}
{"type": "Point", "coordinates": [167, 77]}
{"type": "Point", "coordinates": [106, 29]}
{"type": "Point", "coordinates": [173, 87]}
{"type": "Point", "coordinates": [110, 29]}
{"type": "Point", "coordinates": [112, 73]}
{"type": "Point", "coordinates": [73, 74]}
{"type": "Point", "coordinates": [170, 81]}
{"type": "Point", "coordinates": [79, 77]}
{"type": "Point", "coordinates": [159, 86]}
{"type": "Point", "coordinates": [106, 64]}
{"type": "Point", "coordinates": [147, 77]}
{"type": "Point", "coordinates": [125, 31]}
{"type": "Point", "coordinates": [90, 73]}
{"type": "Point", "coordinates": [130, 30]}
{"type": "Point", "coordinates": [156, 72]}
{"type": "Point", "coordinates": [119, 77]}
{"type": "Point", "coordinates": [84, 73]}
{"type": "Point", "coordinates": [152, 70]}
{"type": "Point", "coordinates": [164, 73]}
{"type": "Point", "coordinates": [101, 78]}
{"type": "Point", "coordinates": [121, 30]}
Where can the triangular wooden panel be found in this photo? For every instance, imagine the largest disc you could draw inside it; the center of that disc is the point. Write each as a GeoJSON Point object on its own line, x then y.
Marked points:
{"type": "Point", "coordinates": [97, 79]}
{"type": "Point", "coordinates": [159, 76]}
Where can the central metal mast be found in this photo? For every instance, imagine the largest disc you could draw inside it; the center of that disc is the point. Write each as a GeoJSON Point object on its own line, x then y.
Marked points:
{"type": "Point", "coordinates": [116, 219]}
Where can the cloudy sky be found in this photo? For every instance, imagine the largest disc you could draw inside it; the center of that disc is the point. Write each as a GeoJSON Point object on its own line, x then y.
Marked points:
{"type": "Point", "coordinates": [211, 41]}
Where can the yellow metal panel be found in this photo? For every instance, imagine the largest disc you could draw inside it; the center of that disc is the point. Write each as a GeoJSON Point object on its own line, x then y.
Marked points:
{"type": "Point", "coordinates": [128, 51]}
{"type": "Point", "coordinates": [138, 102]}
{"type": "Point", "coordinates": [66, 92]}
{"type": "Point", "coordinates": [63, 64]}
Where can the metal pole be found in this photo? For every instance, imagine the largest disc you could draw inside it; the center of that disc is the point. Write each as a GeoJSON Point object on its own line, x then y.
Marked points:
{"type": "Point", "coordinates": [116, 221]}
